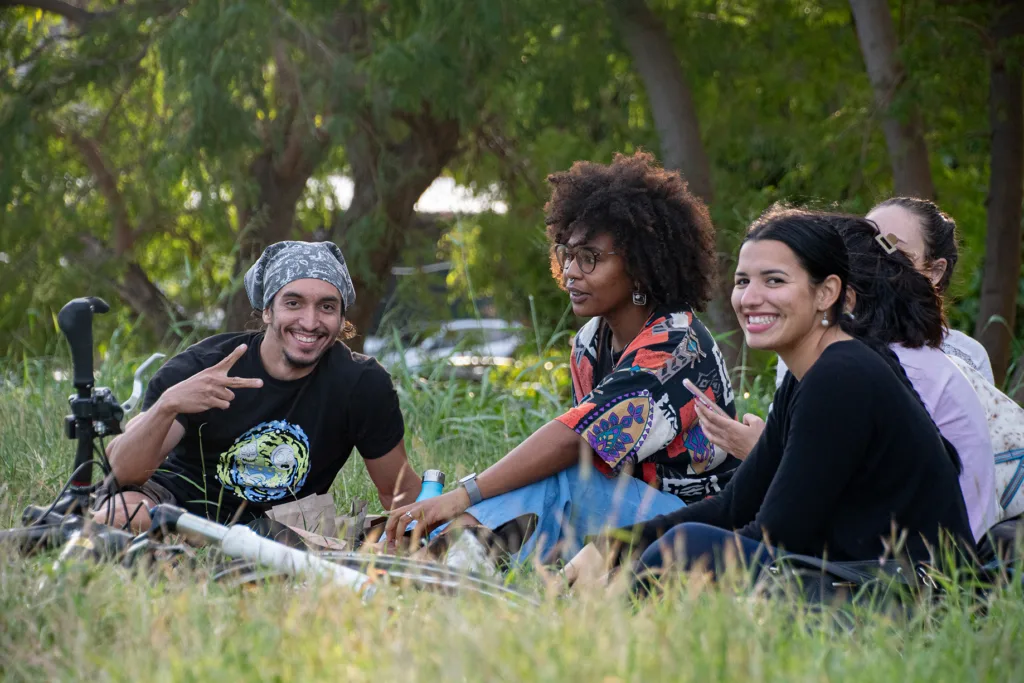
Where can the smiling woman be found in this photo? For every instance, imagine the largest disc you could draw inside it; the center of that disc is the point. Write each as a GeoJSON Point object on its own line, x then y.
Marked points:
{"type": "Point", "coordinates": [849, 459]}
{"type": "Point", "coordinates": [896, 279]}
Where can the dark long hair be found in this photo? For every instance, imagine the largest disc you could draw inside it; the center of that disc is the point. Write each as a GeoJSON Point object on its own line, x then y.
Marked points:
{"type": "Point", "coordinates": [817, 240]}
{"type": "Point", "coordinates": [938, 231]}
{"type": "Point", "coordinates": [895, 303]}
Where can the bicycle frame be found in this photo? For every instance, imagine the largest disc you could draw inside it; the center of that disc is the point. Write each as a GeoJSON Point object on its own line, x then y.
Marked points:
{"type": "Point", "coordinates": [239, 541]}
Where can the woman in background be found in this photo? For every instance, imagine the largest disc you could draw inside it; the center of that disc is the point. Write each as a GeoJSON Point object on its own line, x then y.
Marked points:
{"type": "Point", "coordinates": [928, 237]}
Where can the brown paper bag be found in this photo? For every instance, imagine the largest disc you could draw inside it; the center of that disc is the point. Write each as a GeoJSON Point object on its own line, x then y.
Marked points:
{"type": "Point", "coordinates": [314, 514]}
{"type": "Point", "coordinates": [315, 519]}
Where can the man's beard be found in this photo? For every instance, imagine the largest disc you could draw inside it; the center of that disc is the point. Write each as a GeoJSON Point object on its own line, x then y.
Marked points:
{"type": "Point", "coordinates": [297, 363]}
{"type": "Point", "coordinates": [300, 364]}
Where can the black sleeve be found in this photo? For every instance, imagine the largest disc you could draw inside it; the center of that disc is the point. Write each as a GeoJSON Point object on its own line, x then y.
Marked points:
{"type": "Point", "coordinates": [715, 511]}
{"type": "Point", "coordinates": [375, 416]}
{"type": "Point", "coordinates": [821, 454]}
{"type": "Point", "coordinates": [736, 505]}
{"type": "Point", "coordinates": [739, 502]}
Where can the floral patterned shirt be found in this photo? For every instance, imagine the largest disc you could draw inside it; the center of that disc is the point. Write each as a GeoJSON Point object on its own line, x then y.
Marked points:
{"type": "Point", "coordinates": [635, 413]}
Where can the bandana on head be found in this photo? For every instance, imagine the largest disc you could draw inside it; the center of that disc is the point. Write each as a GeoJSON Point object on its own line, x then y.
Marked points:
{"type": "Point", "coordinates": [285, 262]}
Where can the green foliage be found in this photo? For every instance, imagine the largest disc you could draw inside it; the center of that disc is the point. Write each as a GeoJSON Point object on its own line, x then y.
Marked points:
{"type": "Point", "coordinates": [786, 111]}
{"type": "Point", "coordinates": [181, 101]}
{"type": "Point", "coordinates": [489, 252]}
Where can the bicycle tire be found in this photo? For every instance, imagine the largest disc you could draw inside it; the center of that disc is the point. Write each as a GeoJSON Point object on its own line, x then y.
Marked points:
{"type": "Point", "coordinates": [391, 569]}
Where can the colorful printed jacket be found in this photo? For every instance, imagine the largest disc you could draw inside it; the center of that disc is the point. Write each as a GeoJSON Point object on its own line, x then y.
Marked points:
{"type": "Point", "coordinates": [637, 415]}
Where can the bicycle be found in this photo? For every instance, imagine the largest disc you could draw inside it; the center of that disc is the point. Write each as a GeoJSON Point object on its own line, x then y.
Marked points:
{"type": "Point", "coordinates": [66, 524]}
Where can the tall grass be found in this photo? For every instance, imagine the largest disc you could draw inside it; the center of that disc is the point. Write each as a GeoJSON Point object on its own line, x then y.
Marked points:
{"type": "Point", "coordinates": [109, 623]}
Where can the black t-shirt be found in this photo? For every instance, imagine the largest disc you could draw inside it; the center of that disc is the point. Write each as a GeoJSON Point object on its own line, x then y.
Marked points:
{"type": "Point", "coordinates": [847, 452]}
{"type": "Point", "coordinates": [285, 440]}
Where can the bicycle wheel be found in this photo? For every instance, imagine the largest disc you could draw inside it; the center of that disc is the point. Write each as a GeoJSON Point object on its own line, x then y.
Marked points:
{"type": "Point", "coordinates": [394, 571]}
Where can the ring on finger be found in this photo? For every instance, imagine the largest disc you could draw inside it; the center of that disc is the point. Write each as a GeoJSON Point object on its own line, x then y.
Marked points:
{"type": "Point", "coordinates": [408, 514]}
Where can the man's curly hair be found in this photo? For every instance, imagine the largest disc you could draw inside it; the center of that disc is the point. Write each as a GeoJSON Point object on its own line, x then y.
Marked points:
{"type": "Point", "coordinates": [664, 231]}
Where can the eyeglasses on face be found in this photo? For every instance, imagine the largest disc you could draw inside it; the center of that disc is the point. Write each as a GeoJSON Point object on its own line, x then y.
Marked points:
{"type": "Point", "coordinates": [586, 257]}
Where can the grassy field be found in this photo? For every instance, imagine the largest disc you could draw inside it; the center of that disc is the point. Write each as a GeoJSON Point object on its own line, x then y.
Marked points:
{"type": "Point", "coordinates": [110, 624]}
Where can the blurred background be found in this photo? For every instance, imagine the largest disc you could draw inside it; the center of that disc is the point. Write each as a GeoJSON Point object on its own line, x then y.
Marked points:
{"type": "Point", "coordinates": [150, 149]}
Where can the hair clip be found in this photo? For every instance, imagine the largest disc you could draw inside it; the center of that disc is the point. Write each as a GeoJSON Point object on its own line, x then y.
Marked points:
{"type": "Point", "coordinates": [887, 242]}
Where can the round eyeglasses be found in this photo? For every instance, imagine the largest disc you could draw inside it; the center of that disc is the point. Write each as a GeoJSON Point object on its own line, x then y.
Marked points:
{"type": "Point", "coordinates": [586, 257]}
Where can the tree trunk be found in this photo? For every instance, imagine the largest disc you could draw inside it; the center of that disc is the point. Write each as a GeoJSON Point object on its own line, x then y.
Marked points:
{"type": "Point", "coordinates": [133, 286]}
{"type": "Point", "coordinates": [148, 301]}
{"type": "Point", "coordinates": [267, 218]}
{"type": "Point", "coordinates": [903, 133]}
{"type": "Point", "coordinates": [388, 179]}
{"type": "Point", "coordinates": [675, 118]}
{"type": "Point", "coordinates": [132, 283]}
{"type": "Point", "coordinates": [998, 307]}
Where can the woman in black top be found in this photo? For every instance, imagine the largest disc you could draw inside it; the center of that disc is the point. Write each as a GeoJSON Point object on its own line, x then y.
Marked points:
{"type": "Point", "coordinates": [850, 460]}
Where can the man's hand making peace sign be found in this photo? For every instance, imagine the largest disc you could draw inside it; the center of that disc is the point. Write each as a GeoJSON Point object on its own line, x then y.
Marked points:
{"type": "Point", "coordinates": [210, 388]}
{"type": "Point", "coordinates": [151, 435]}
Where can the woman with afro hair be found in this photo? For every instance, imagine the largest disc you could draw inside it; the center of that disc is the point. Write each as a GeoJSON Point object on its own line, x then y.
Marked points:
{"type": "Point", "coordinates": [635, 252]}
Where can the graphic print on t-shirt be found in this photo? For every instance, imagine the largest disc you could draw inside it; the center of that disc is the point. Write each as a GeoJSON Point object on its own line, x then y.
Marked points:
{"type": "Point", "coordinates": [266, 463]}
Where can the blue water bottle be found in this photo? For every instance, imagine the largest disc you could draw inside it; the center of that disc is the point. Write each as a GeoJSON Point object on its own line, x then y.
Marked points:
{"type": "Point", "coordinates": [433, 485]}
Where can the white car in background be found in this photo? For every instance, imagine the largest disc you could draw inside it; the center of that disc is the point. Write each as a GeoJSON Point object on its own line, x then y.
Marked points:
{"type": "Point", "coordinates": [469, 345]}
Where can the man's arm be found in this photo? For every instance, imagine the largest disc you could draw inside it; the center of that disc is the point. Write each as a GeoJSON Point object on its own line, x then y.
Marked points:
{"type": "Point", "coordinates": [149, 437]}
{"type": "Point", "coordinates": [396, 481]}
{"type": "Point", "coordinates": [146, 441]}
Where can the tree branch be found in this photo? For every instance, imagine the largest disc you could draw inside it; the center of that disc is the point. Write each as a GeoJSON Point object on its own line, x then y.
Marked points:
{"type": "Point", "coordinates": [73, 13]}
{"type": "Point", "coordinates": [134, 287]}
{"type": "Point", "coordinates": [133, 75]}
{"type": "Point", "coordinates": [499, 145]}
{"type": "Point", "coordinates": [124, 235]}
{"type": "Point", "coordinates": [290, 104]}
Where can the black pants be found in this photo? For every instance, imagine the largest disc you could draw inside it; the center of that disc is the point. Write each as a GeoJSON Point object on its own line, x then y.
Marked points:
{"type": "Point", "coordinates": [691, 545]}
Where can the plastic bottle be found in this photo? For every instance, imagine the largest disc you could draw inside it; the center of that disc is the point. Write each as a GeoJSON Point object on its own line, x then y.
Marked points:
{"type": "Point", "coordinates": [433, 484]}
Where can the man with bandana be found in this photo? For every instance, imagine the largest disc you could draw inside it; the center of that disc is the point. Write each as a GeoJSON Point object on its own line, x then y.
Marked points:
{"type": "Point", "coordinates": [244, 421]}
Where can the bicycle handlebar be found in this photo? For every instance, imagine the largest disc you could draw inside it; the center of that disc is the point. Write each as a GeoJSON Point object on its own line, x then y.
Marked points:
{"type": "Point", "coordinates": [137, 388]}
{"type": "Point", "coordinates": [75, 321]}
